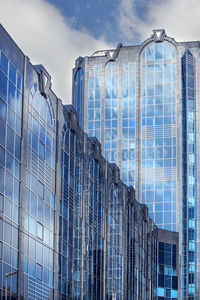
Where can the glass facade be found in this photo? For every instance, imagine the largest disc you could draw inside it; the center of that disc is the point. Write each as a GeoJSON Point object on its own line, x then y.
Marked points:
{"type": "Point", "coordinates": [115, 242]}
{"type": "Point", "coordinates": [188, 171]}
{"type": "Point", "coordinates": [94, 101]}
{"type": "Point", "coordinates": [64, 230]}
{"type": "Point", "coordinates": [11, 84]}
{"type": "Point", "coordinates": [39, 204]}
{"type": "Point", "coordinates": [149, 127]}
{"type": "Point", "coordinates": [79, 94]}
{"type": "Point", "coordinates": [167, 273]}
{"type": "Point", "coordinates": [94, 220]}
{"type": "Point", "coordinates": [111, 111]}
{"type": "Point", "coordinates": [158, 166]}
{"type": "Point", "coordinates": [128, 122]}
{"type": "Point", "coordinates": [119, 94]}
{"type": "Point", "coordinates": [70, 216]}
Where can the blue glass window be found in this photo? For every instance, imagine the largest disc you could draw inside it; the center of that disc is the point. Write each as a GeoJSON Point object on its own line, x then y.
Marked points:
{"type": "Point", "coordinates": [3, 86]}
{"type": "Point", "coordinates": [4, 63]}
{"type": "Point", "coordinates": [11, 95]}
{"type": "Point", "coordinates": [12, 74]}
{"type": "Point", "coordinates": [2, 109]}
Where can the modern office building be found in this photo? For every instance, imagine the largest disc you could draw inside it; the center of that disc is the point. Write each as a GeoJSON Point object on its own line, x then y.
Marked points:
{"type": "Point", "coordinates": [69, 227]}
{"type": "Point", "coordinates": [142, 103]}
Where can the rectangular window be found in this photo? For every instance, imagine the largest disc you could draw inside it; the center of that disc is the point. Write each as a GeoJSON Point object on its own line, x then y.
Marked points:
{"type": "Point", "coordinates": [41, 150]}
{"type": "Point", "coordinates": [40, 230]}
{"type": "Point", "coordinates": [3, 86]}
{"type": "Point", "coordinates": [11, 96]}
{"type": "Point", "coordinates": [12, 74]}
{"type": "Point", "coordinates": [1, 203]}
{"type": "Point", "coordinates": [40, 189]}
{"type": "Point", "coordinates": [38, 271]}
{"type": "Point", "coordinates": [2, 109]}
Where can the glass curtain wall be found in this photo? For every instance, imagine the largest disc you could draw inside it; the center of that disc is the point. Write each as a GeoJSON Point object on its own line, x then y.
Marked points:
{"type": "Point", "coordinates": [111, 130]}
{"type": "Point", "coordinates": [167, 273]}
{"type": "Point", "coordinates": [158, 170]}
{"type": "Point", "coordinates": [128, 123]}
{"type": "Point", "coordinates": [94, 100]}
{"type": "Point", "coordinates": [79, 95]}
{"type": "Point", "coordinates": [114, 283]}
{"type": "Point", "coordinates": [39, 215]}
{"type": "Point", "coordinates": [70, 216]}
{"type": "Point", "coordinates": [94, 269]}
{"type": "Point", "coordinates": [188, 214]}
{"type": "Point", "coordinates": [10, 170]}
{"type": "Point", "coordinates": [132, 229]}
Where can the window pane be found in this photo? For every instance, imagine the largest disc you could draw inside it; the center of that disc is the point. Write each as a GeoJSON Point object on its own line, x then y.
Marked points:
{"type": "Point", "coordinates": [2, 109]}
{"type": "Point", "coordinates": [10, 140]}
{"type": "Point", "coordinates": [12, 74]}
{"type": "Point", "coordinates": [11, 95]}
{"type": "Point", "coordinates": [4, 64]}
{"type": "Point", "coordinates": [3, 86]}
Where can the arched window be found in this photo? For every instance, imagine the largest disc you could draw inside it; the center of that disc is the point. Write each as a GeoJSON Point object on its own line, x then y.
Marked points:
{"type": "Point", "coordinates": [158, 134]}
{"type": "Point", "coordinates": [40, 187]}
{"type": "Point", "coordinates": [42, 126]}
{"type": "Point", "coordinates": [157, 51]}
{"type": "Point", "coordinates": [111, 130]}
{"type": "Point", "coordinates": [42, 106]}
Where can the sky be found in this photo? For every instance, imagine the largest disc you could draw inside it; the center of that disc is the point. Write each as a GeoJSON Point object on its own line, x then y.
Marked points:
{"type": "Point", "coordinates": [56, 32]}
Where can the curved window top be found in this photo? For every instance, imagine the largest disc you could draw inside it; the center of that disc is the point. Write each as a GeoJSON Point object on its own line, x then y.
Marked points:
{"type": "Point", "coordinates": [156, 51]}
{"type": "Point", "coordinates": [70, 142]}
{"type": "Point", "coordinates": [42, 105]}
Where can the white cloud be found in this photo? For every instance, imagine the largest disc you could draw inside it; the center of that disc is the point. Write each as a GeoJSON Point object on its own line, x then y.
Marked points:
{"type": "Point", "coordinates": [130, 25]}
{"type": "Point", "coordinates": [43, 34]}
{"type": "Point", "coordinates": [180, 19]}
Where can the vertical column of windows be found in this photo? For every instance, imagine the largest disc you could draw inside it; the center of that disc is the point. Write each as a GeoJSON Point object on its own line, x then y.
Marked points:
{"type": "Point", "coordinates": [70, 216]}
{"type": "Point", "coordinates": [114, 244]}
{"type": "Point", "coordinates": [94, 234]}
{"type": "Point", "coordinates": [39, 224]}
{"type": "Point", "coordinates": [79, 95]}
{"type": "Point", "coordinates": [159, 133]}
{"type": "Point", "coordinates": [188, 121]}
{"type": "Point", "coordinates": [111, 111]}
{"type": "Point", "coordinates": [128, 122]}
{"type": "Point", "coordinates": [39, 216]}
{"type": "Point", "coordinates": [94, 100]}
{"type": "Point", "coordinates": [10, 168]}
{"type": "Point", "coordinates": [167, 273]}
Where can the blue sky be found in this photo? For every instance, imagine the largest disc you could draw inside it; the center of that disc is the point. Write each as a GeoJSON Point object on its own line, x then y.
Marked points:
{"type": "Point", "coordinates": [55, 32]}
{"type": "Point", "coordinates": [99, 17]}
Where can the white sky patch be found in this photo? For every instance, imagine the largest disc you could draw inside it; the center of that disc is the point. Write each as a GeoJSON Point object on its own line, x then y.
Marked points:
{"type": "Point", "coordinates": [180, 19]}
{"type": "Point", "coordinates": [129, 23]}
{"type": "Point", "coordinates": [42, 33]}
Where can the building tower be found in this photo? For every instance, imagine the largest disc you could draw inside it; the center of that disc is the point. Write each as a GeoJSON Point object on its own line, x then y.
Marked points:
{"type": "Point", "coordinates": [142, 103]}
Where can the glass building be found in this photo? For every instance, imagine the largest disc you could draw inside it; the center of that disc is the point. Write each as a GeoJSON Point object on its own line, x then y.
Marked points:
{"type": "Point", "coordinates": [142, 103]}
{"type": "Point", "coordinates": [69, 227]}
